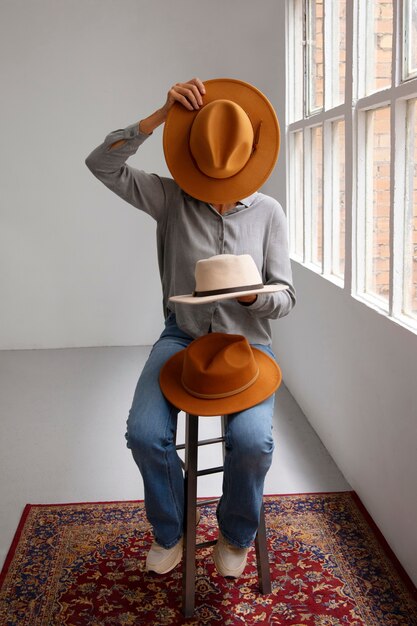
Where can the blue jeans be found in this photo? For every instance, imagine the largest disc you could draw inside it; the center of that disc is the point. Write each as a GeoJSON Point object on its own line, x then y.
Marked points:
{"type": "Point", "coordinates": [150, 435]}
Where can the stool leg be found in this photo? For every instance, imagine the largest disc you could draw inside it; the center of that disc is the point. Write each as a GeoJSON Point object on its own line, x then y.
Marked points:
{"type": "Point", "coordinates": [190, 486]}
{"type": "Point", "coordinates": [223, 432]}
{"type": "Point", "coordinates": [262, 562]}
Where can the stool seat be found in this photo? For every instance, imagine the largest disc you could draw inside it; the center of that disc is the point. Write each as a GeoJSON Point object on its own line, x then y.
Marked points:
{"type": "Point", "coordinates": [191, 473]}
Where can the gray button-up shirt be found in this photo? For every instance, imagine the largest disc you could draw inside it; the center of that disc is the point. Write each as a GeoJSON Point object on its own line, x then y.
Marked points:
{"type": "Point", "coordinates": [189, 230]}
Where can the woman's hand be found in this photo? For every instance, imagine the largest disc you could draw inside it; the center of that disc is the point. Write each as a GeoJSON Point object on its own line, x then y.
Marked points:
{"type": "Point", "coordinates": [247, 299]}
{"type": "Point", "coordinates": [188, 94]}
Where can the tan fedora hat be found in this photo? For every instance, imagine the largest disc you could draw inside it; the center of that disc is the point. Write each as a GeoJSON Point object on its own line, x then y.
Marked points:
{"type": "Point", "coordinates": [227, 149]}
{"type": "Point", "coordinates": [225, 276]}
{"type": "Point", "coordinates": [219, 374]}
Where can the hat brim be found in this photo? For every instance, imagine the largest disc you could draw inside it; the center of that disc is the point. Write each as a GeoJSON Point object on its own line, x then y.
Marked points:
{"type": "Point", "coordinates": [266, 384]}
{"type": "Point", "coordinates": [260, 165]}
{"type": "Point", "coordinates": [190, 299]}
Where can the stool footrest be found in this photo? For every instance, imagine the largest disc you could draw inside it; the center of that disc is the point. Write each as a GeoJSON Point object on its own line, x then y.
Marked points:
{"type": "Point", "coordinates": [206, 544]}
{"type": "Point", "coordinates": [209, 442]}
{"type": "Point", "coordinates": [203, 442]}
{"type": "Point", "coordinates": [210, 501]}
{"type": "Point", "coordinates": [211, 470]}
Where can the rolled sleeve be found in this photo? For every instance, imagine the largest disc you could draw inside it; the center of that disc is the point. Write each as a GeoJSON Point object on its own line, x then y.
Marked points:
{"type": "Point", "coordinates": [147, 192]}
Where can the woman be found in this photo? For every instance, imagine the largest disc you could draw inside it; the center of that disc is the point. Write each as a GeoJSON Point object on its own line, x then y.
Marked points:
{"type": "Point", "coordinates": [221, 141]}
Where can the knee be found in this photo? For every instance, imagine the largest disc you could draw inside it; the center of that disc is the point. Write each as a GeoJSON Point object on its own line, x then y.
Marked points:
{"type": "Point", "coordinates": [254, 448]}
{"type": "Point", "coordinates": [144, 435]}
{"type": "Point", "coordinates": [138, 439]}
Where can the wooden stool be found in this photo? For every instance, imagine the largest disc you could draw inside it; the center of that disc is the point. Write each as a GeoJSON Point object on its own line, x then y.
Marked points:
{"type": "Point", "coordinates": [190, 514]}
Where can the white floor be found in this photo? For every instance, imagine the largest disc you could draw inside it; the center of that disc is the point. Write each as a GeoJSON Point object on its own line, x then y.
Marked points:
{"type": "Point", "coordinates": [62, 420]}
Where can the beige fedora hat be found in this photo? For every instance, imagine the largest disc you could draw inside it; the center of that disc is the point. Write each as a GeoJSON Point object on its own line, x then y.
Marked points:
{"type": "Point", "coordinates": [227, 149]}
{"type": "Point", "coordinates": [225, 276]}
{"type": "Point", "coordinates": [219, 374]}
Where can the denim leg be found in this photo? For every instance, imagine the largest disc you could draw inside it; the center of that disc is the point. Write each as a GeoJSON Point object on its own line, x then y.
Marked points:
{"type": "Point", "coordinates": [150, 435]}
{"type": "Point", "coordinates": [249, 449]}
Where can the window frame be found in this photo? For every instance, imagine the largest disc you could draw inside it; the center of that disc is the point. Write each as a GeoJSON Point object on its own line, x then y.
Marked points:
{"type": "Point", "coordinates": [353, 111]}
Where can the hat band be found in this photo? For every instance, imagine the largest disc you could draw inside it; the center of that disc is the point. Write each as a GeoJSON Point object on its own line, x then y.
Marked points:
{"type": "Point", "coordinates": [215, 396]}
{"type": "Point", "coordinates": [215, 292]}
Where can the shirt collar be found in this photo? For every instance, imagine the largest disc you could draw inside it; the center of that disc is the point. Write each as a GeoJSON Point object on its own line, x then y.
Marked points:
{"type": "Point", "coordinates": [248, 200]}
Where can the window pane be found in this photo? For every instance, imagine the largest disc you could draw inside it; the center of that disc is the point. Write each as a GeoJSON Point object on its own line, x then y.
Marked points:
{"type": "Point", "coordinates": [379, 20]}
{"type": "Point", "coordinates": [410, 34]}
{"type": "Point", "coordinates": [377, 219]}
{"type": "Point", "coordinates": [296, 63]}
{"type": "Point", "coordinates": [297, 194]}
{"type": "Point", "coordinates": [315, 55]}
{"type": "Point", "coordinates": [338, 204]}
{"type": "Point", "coordinates": [338, 51]}
{"type": "Point", "coordinates": [410, 247]}
{"type": "Point", "coordinates": [317, 195]}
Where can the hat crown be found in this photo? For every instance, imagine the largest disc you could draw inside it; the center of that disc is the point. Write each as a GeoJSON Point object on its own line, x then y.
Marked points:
{"type": "Point", "coordinates": [218, 366]}
{"type": "Point", "coordinates": [226, 271]}
{"type": "Point", "coordinates": [221, 139]}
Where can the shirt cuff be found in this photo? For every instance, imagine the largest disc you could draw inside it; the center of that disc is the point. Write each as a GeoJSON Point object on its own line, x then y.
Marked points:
{"type": "Point", "coordinates": [132, 131]}
{"type": "Point", "coordinates": [130, 134]}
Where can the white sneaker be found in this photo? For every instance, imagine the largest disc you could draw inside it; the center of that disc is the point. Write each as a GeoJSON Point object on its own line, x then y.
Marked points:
{"type": "Point", "coordinates": [163, 560]}
{"type": "Point", "coordinates": [229, 559]}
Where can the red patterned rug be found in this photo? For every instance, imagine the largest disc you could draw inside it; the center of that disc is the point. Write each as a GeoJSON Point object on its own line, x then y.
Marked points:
{"type": "Point", "coordinates": [83, 565]}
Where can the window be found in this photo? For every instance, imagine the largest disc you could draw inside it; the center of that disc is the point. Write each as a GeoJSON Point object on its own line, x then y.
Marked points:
{"type": "Point", "coordinates": [352, 147]}
{"type": "Point", "coordinates": [314, 55]}
{"type": "Point", "coordinates": [410, 209]}
{"type": "Point", "coordinates": [337, 181]}
{"type": "Point", "coordinates": [374, 223]}
{"type": "Point", "coordinates": [316, 186]}
{"type": "Point", "coordinates": [375, 39]}
{"type": "Point", "coordinates": [297, 178]}
{"type": "Point", "coordinates": [410, 39]}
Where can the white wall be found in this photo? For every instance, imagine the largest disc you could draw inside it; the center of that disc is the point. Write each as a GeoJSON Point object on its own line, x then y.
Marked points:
{"type": "Point", "coordinates": [354, 374]}
{"type": "Point", "coordinates": [77, 264]}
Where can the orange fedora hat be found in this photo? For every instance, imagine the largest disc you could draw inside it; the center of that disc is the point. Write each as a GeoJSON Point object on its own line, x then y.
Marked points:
{"type": "Point", "coordinates": [227, 149]}
{"type": "Point", "coordinates": [219, 374]}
